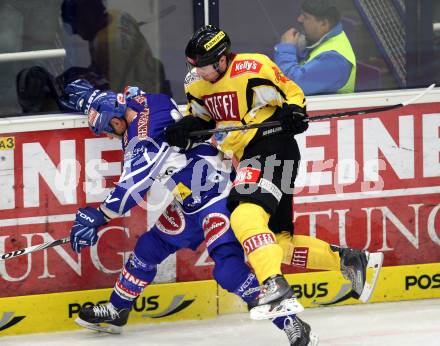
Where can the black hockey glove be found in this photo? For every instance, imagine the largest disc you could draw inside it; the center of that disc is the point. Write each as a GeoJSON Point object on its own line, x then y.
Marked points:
{"type": "Point", "coordinates": [36, 89]}
{"type": "Point", "coordinates": [293, 119]}
{"type": "Point", "coordinates": [177, 134]}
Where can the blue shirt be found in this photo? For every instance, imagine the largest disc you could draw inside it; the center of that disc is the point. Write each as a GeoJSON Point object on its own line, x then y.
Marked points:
{"type": "Point", "coordinates": [326, 73]}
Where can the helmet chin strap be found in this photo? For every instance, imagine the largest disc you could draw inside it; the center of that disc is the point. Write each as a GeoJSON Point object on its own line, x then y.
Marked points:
{"type": "Point", "coordinates": [216, 67]}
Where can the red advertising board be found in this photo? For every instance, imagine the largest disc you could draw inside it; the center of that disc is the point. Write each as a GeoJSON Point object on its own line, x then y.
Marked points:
{"type": "Point", "coordinates": [374, 182]}
{"type": "Point", "coordinates": [44, 179]}
{"type": "Point", "coordinates": [368, 182]}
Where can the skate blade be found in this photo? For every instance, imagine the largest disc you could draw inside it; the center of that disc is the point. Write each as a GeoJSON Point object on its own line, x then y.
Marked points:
{"type": "Point", "coordinates": [286, 307]}
{"type": "Point", "coordinates": [111, 329]}
{"type": "Point", "coordinates": [375, 260]}
{"type": "Point", "coordinates": [314, 339]}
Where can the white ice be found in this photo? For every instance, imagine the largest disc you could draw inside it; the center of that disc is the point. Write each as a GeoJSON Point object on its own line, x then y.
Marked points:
{"type": "Point", "coordinates": [406, 323]}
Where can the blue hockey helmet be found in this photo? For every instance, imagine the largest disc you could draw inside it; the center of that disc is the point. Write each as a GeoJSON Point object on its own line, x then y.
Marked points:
{"type": "Point", "coordinates": [100, 106]}
{"type": "Point", "coordinates": [104, 107]}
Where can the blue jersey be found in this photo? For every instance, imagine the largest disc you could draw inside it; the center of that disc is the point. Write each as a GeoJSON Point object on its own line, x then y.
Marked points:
{"type": "Point", "coordinates": [197, 177]}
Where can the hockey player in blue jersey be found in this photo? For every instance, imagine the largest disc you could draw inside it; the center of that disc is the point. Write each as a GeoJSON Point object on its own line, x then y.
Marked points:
{"type": "Point", "coordinates": [199, 180]}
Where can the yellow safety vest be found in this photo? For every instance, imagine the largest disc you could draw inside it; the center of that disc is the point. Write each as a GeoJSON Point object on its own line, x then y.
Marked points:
{"type": "Point", "coordinates": [340, 44]}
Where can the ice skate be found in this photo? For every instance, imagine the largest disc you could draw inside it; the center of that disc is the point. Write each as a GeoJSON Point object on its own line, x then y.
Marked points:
{"type": "Point", "coordinates": [275, 299]}
{"type": "Point", "coordinates": [103, 318]}
{"type": "Point", "coordinates": [362, 269]}
{"type": "Point", "coordinates": [299, 332]}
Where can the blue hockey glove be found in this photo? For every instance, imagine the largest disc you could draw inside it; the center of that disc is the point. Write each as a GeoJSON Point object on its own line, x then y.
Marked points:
{"type": "Point", "coordinates": [75, 94]}
{"type": "Point", "coordinates": [100, 106]}
{"type": "Point", "coordinates": [85, 227]}
{"type": "Point", "coordinates": [293, 119]}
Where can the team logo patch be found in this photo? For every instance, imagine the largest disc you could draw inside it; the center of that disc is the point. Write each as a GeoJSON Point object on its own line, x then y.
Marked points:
{"type": "Point", "coordinates": [256, 241]}
{"type": "Point", "coordinates": [247, 175]}
{"type": "Point", "coordinates": [245, 66]}
{"type": "Point", "coordinates": [300, 255]}
{"type": "Point", "coordinates": [181, 191]}
{"type": "Point", "coordinates": [279, 76]}
{"type": "Point", "coordinates": [214, 225]}
{"type": "Point", "coordinates": [172, 221]}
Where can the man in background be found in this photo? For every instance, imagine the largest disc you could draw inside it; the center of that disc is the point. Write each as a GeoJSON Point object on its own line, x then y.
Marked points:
{"type": "Point", "coordinates": [318, 57]}
{"type": "Point", "coordinates": [119, 55]}
{"type": "Point", "coordinates": [119, 52]}
{"type": "Point", "coordinates": [28, 26]}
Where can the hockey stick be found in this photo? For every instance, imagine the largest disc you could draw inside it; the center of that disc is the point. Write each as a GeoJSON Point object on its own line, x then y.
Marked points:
{"type": "Point", "coordinates": [16, 253]}
{"type": "Point", "coordinates": [275, 123]}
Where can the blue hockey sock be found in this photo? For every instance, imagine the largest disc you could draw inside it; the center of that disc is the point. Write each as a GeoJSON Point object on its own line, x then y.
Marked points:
{"type": "Point", "coordinates": [135, 276]}
{"type": "Point", "coordinates": [141, 268]}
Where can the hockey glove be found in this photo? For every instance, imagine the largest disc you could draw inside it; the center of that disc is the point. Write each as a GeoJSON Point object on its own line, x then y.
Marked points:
{"type": "Point", "coordinates": [100, 106]}
{"type": "Point", "coordinates": [293, 119]}
{"type": "Point", "coordinates": [35, 86]}
{"type": "Point", "coordinates": [75, 95]}
{"type": "Point", "coordinates": [84, 230]}
{"type": "Point", "coordinates": [177, 134]}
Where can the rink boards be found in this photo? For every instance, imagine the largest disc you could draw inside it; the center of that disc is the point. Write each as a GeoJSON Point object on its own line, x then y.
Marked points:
{"type": "Point", "coordinates": [370, 182]}
{"type": "Point", "coordinates": [204, 299]}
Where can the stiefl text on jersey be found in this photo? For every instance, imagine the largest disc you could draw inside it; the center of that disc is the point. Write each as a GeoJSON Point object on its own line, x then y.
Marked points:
{"type": "Point", "coordinates": [223, 106]}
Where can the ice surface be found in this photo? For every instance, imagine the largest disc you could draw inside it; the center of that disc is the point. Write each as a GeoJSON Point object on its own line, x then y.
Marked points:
{"type": "Point", "coordinates": [406, 323]}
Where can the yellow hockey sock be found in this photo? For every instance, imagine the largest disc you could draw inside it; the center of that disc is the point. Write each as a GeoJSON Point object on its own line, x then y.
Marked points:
{"type": "Point", "coordinates": [249, 223]}
{"type": "Point", "coordinates": [308, 252]}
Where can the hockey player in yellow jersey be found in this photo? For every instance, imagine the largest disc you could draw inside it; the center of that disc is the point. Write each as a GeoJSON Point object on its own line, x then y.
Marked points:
{"type": "Point", "coordinates": [225, 89]}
